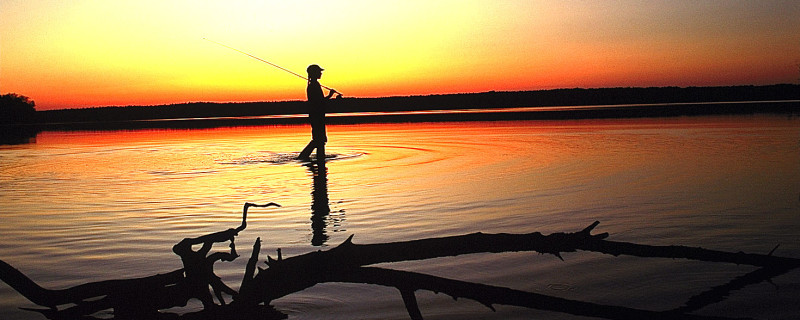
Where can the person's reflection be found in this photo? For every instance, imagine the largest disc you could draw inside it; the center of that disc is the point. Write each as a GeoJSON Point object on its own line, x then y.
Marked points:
{"type": "Point", "coordinates": [320, 207]}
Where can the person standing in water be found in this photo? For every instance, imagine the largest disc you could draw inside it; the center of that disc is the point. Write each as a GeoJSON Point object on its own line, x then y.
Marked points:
{"type": "Point", "coordinates": [316, 114]}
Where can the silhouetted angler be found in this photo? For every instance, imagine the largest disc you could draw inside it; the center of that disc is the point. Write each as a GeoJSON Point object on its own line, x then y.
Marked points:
{"type": "Point", "coordinates": [316, 114]}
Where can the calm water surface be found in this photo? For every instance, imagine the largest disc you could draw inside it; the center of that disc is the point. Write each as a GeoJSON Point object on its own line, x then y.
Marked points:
{"type": "Point", "coordinates": [88, 206]}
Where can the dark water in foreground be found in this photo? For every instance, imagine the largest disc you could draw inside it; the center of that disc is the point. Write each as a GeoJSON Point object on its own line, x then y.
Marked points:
{"type": "Point", "coordinates": [87, 206]}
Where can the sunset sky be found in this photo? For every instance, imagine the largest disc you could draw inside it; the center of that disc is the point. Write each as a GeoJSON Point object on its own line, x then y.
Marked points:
{"type": "Point", "coordinates": [69, 54]}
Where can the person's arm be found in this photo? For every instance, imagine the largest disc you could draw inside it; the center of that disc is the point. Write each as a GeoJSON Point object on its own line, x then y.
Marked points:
{"type": "Point", "coordinates": [332, 92]}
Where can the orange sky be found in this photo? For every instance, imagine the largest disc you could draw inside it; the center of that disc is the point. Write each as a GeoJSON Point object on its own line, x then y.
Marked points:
{"type": "Point", "coordinates": [68, 54]}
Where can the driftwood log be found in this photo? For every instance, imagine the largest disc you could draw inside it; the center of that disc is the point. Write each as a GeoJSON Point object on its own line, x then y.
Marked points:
{"type": "Point", "coordinates": [350, 262]}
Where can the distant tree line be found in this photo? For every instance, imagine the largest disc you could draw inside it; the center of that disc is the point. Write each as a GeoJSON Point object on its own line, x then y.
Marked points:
{"type": "Point", "coordinates": [574, 97]}
{"type": "Point", "coordinates": [20, 122]}
{"type": "Point", "coordinates": [492, 99]}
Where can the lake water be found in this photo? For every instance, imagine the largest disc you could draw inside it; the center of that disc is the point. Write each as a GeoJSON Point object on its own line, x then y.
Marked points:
{"type": "Point", "coordinates": [88, 206]}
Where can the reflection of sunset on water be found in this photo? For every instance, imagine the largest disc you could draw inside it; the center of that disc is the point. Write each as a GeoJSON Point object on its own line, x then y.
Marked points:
{"type": "Point", "coordinates": [121, 199]}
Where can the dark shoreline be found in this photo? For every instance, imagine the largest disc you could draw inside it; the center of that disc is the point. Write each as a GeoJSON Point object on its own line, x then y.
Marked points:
{"type": "Point", "coordinates": [556, 104]}
{"type": "Point", "coordinates": [786, 107]}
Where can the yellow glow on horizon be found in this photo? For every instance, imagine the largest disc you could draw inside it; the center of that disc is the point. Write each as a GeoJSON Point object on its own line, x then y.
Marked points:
{"type": "Point", "coordinates": [94, 53]}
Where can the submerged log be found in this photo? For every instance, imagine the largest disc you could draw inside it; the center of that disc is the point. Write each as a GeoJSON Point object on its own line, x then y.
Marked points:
{"type": "Point", "coordinates": [408, 282]}
{"type": "Point", "coordinates": [88, 291]}
{"type": "Point", "coordinates": [140, 297]}
{"type": "Point", "coordinates": [617, 248]}
{"type": "Point", "coordinates": [300, 272]}
{"type": "Point", "coordinates": [349, 262]}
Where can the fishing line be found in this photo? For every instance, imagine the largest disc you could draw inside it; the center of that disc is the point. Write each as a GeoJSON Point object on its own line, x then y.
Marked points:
{"type": "Point", "coordinates": [264, 61]}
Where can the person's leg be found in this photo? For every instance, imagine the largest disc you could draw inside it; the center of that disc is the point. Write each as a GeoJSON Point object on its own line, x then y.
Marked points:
{"type": "Point", "coordinates": [319, 137]}
{"type": "Point", "coordinates": [306, 153]}
{"type": "Point", "coordinates": [321, 151]}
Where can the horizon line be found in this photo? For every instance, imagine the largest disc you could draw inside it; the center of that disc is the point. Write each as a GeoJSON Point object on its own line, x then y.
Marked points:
{"type": "Point", "coordinates": [409, 96]}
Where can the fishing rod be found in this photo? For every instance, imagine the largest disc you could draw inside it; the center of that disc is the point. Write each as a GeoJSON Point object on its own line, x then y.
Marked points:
{"type": "Point", "coordinates": [267, 62]}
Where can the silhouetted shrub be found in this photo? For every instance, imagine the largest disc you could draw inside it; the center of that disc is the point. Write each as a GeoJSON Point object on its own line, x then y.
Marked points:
{"type": "Point", "coordinates": [15, 108]}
